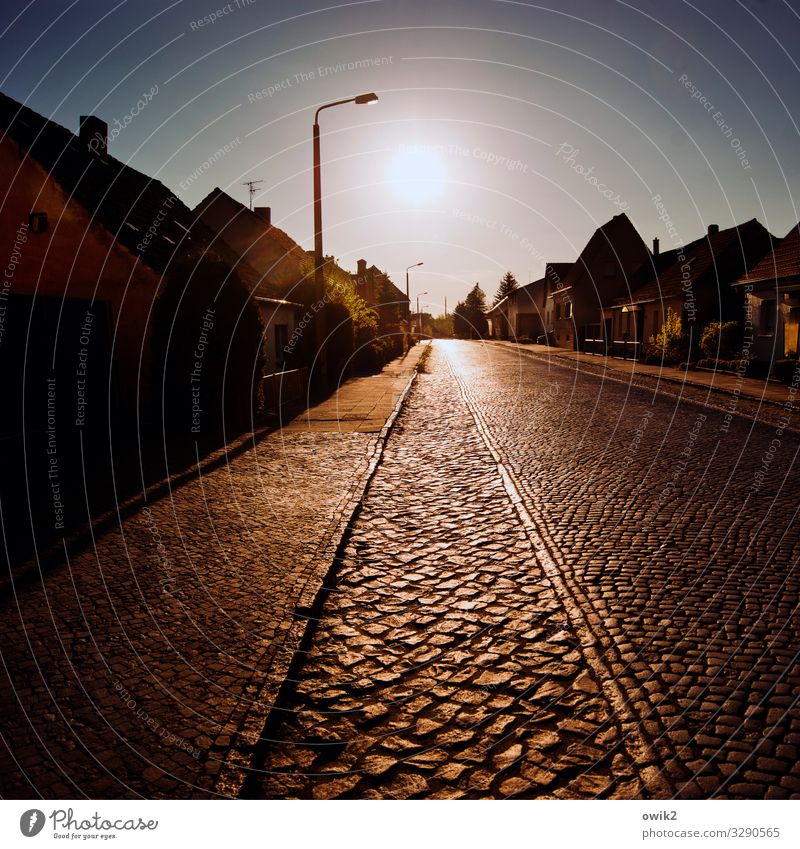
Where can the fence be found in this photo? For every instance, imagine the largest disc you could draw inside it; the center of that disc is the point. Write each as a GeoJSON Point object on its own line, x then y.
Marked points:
{"type": "Point", "coordinates": [284, 389]}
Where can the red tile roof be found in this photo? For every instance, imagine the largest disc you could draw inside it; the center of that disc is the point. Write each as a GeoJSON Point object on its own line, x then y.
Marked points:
{"type": "Point", "coordinates": [672, 270]}
{"type": "Point", "coordinates": [783, 262]}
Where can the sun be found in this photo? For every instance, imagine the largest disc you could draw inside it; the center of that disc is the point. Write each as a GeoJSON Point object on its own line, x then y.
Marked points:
{"type": "Point", "coordinates": [417, 175]}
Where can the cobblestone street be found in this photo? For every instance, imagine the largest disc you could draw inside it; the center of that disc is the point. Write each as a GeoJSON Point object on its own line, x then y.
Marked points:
{"type": "Point", "coordinates": [145, 664]}
{"type": "Point", "coordinates": [558, 587]}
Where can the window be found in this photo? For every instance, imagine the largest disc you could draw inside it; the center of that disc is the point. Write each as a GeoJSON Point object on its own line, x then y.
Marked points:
{"type": "Point", "coordinates": [37, 222]}
{"type": "Point", "coordinates": [558, 311]}
{"type": "Point", "coordinates": [568, 309]}
{"type": "Point", "coordinates": [766, 323]}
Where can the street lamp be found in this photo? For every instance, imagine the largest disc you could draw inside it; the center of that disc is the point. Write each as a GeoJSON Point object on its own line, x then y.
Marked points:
{"type": "Point", "coordinates": [419, 315]}
{"type": "Point", "coordinates": [408, 296]}
{"type": "Point", "coordinates": [319, 277]}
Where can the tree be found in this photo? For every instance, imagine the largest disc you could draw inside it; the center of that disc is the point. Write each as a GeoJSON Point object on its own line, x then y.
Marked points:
{"type": "Point", "coordinates": [352, 324]}
{"type": "Point", "coordinates": [443, 326]}
{"type": "Point", "coordinates": [507, 285]}
{"type": "Point", "coordinates": [469, 316]}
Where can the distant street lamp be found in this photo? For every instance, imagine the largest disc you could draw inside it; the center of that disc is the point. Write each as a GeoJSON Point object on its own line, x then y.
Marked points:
{"type": "Point", "coordinates": [408, 296]}
{"type": "Point", "coordinates": [419, 315]}
{"type": "Point", "coordinates": [319, 276]}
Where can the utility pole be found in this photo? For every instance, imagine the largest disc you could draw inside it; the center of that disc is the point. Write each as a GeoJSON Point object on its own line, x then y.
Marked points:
{"type": "Point", "coordinates": [445, 306]}
{"type": "Point", "coordinates": [251, 187]}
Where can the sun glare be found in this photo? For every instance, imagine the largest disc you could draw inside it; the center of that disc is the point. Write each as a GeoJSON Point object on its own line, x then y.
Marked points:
{"type": "Point", "coordinates": [417, 175]}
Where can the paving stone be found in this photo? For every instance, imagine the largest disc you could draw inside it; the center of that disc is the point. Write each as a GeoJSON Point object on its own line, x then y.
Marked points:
{"type": "Point", "coordinates": [632, 603]}
{"type": "Point", "coordinates": [180, 622]}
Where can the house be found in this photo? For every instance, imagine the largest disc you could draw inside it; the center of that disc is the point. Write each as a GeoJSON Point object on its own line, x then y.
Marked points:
{"type": "Point", "coordinates": [600, 275]}
{"type": "Point", "coordinates": [89, 241]}
{"type": "Point", "coordinates": [287, 269]}
{"type": "Point", "coordinates": [694, 281]}
{"type": "Point", "coordinates": [92, 239]}
{"type": "Point", "coordinates": [498, 324]}
{"type": "Point", "coordinates": [524, 313]}
{"type": "Point", "coordinates": [377, 289]}
{"type": "Point", "coordinates": [772, 288]}
{"type": "Point", "coordinates": [281, 319]}
{"type": "Point", "coordinates": [284, 267]}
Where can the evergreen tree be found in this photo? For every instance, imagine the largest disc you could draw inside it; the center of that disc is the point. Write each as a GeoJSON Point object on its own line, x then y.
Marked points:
{"type": "Point", "coordinates": [469, 316]}
{"type": "Point", "coordinates": [506, 287]}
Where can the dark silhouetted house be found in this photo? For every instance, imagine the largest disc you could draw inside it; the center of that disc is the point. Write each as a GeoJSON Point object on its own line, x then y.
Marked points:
{"type": "Point", "coordinates": [772, 288]}
{"type": "Point", "coordinates": [600, 275]}
{"type": "Point", "coordinates": [88, 242]}
{"type": "Point", "coordinates": [283, 265]}
{"type": "Point", "coordinates": [524, 313]}
{"type": "Point", "coordinates": [694, 281]}
{"type": "Point", "coordinates": [93, 237]}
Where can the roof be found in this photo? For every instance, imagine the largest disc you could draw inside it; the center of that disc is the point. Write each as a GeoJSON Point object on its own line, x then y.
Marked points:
{"type": "Point", "coordinates": [390, 293]}
{"type": "Point", "coordinates": [527, 289]}
{"type": "Point", "coordinates": [121, 199]}
{"type": "Point", "coordinates": [608, 234]}
{"type": "Point", "coordinates": [270, 250]}
{"type": "Point", "coordinates": [557, 271]}
{"type": "Point", "coordinates": [667, 275]}
{"type": "Point", "coordinates": [618, 233]}
{"type": "Point", "coordinates": [780, 263]}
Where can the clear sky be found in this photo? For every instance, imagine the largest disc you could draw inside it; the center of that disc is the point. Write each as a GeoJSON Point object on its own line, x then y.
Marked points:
{"type": "Point", "coordinates": [506, 132]}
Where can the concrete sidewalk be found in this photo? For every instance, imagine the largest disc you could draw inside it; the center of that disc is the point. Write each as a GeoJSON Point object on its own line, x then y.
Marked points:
{"type": "Point", "coordinates": [756, 389]}
{"type": "Point", "coordinates": [362, 404]}
{"type": "Point", "coordinates": [146, 661]}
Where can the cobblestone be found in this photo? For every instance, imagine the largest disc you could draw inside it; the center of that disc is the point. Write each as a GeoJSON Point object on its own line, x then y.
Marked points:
{"type": "Point", "coordinates": [147, 664]}
{"type": "Point", "coordinates": [624, 586]}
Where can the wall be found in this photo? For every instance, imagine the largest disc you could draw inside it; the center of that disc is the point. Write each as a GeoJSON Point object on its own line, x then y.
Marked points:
{"type": "Point", "coordinates": [272, 315]}
{"type": "Point", "coordinates": [74, 258]}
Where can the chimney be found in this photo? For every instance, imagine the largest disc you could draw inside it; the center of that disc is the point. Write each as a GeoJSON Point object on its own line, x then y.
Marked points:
{"type": "Point", "coordinates": [93, 134]}
{"type": "Point", "coordinates": [713, 229]}
{"type": "Point", "coordinates": [655, 246]}
{"type": "Point", "coordinates": [362, 267]}
{"type": "Point", "coordinates": [264, 213]}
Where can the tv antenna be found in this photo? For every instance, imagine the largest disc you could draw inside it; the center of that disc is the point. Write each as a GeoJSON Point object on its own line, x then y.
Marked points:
{"type": "Point", "coordinates": [251, 187]}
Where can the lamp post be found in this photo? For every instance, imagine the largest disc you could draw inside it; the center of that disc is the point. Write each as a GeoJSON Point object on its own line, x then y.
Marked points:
{"type": "Point", "coordinates": [419, 316]}
{"type": "Point", "coordinates": [408, 296]}
{"type": "Point", "coordinates": [319, 276]}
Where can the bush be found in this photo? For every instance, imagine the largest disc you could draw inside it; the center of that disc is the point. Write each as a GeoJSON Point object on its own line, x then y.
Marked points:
{"type": "Point", "coordinates": [669, 345]}
{"type": "Point", "coordinates": [720, 365]}
{"type": "Point", "coordinates": [721, 341]}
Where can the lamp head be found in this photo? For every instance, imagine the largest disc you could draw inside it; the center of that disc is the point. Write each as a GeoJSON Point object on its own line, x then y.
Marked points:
{"type": "Point", "coordinates": [367, 98]}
